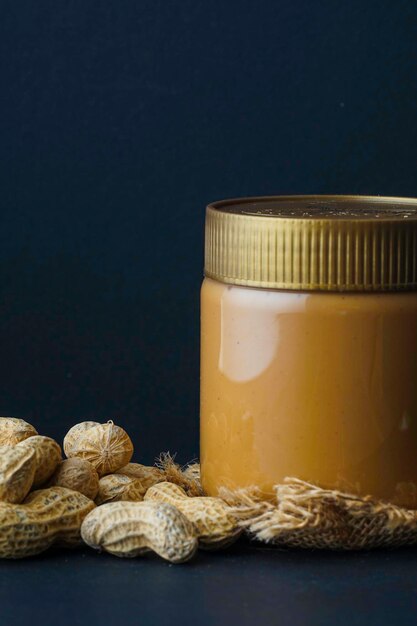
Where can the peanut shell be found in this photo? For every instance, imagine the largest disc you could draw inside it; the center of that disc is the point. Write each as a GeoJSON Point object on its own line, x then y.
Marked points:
{"type": "Point", "coordinates": [148, 475]}
{"type": "Point", "coordinates": [73, 434]}
{"type": "Point", "coordinates": [13, 430]}
{"type": "Point", "coordinates": [129, 529]}
{"type": "Point", "coordinates": [216, 526]}
{"type": "Point", "coordinates": [17, 471]}
{"type": "Point", "coordinates": [117, 487]}
{"type": "Point", "coordinates": [77, 474]}
{"type": "Point", "coordinates": [48, 455]}
{"type": "Point", "coordinates": [47, 517]}
{"type": "Point", "coordinates": [107, 446]}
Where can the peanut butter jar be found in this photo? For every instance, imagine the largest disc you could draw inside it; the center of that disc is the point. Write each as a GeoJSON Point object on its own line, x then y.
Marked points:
{"type": "Point", "coordinates": [309, 345]}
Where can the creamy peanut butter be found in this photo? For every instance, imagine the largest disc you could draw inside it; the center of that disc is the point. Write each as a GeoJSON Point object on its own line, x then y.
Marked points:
{"type": "Point", "coordinates": [318, 384]}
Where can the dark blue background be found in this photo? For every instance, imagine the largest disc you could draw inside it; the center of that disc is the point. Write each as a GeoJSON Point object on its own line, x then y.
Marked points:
{"type": "Point", "coordinates": [119, 121]}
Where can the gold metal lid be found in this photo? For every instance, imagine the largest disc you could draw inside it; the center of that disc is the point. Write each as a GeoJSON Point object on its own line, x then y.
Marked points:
{"type": "Point", "coordinates": [325, 243]}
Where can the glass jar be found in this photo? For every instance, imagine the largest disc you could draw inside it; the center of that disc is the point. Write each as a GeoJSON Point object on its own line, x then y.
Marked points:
{"type": "Point", "coordinates": [309, 345]}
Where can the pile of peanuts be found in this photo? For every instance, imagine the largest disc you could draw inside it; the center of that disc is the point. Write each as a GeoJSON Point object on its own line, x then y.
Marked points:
{"type": "Point", "coordinates": [98, 497]}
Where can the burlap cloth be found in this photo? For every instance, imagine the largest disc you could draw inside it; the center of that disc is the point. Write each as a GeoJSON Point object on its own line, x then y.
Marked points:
{"type": "Point", "coordinates": [303, 515]}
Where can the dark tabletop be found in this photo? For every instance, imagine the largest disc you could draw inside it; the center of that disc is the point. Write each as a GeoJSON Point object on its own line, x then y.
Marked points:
{"type": "Point", "coordinates": [247, 584]}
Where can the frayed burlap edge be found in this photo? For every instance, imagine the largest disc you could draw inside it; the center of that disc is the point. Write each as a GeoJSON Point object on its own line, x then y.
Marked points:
{"type": "Point", "coordinates": [187, 477]}
{"type": "Point", "coordinates": [303, 515]}
{"type": "Point", "coordinates": [306, 516]}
